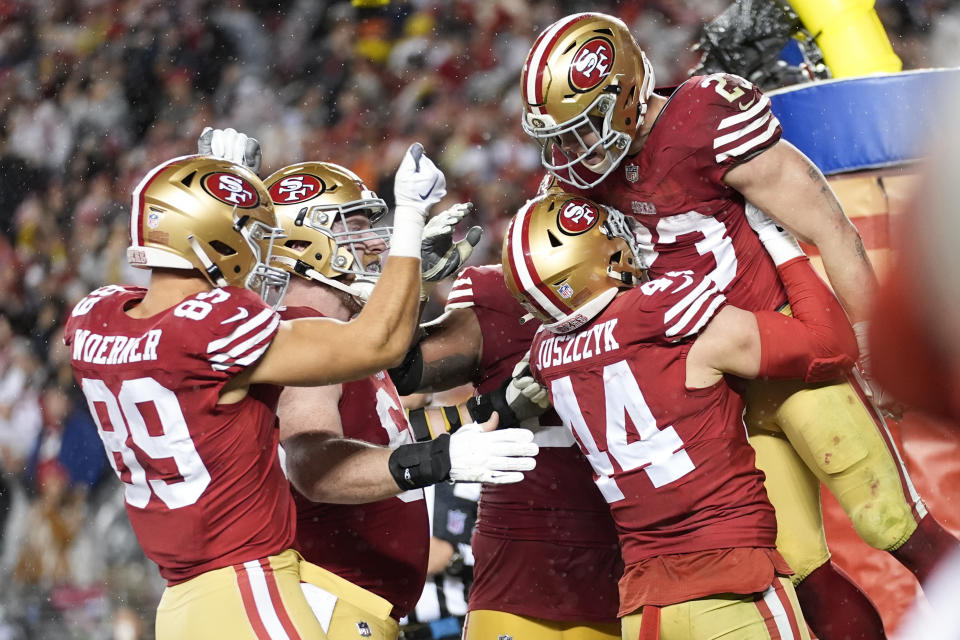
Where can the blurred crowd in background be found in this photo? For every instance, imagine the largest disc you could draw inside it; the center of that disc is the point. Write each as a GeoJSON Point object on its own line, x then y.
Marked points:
{"type": "Point", "coordinates": [96, 92]}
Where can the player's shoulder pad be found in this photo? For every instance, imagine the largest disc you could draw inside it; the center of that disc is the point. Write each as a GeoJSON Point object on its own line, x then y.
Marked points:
{"type": "Point", "coordinates": [674, 307]}
{"type": "Point", "coordinates": [733, 117]}
{"type": "Point", "coordinates": [476, 286]}
{"type": "Point", "coordinates": [234, 325]}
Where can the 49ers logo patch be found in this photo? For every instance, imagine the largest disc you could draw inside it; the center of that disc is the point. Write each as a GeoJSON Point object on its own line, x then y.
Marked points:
{"type": "Point", "coordinates": [591, 64]}
{"type": "Point", "coordinates": [577, 216]}
{"type": "Point", "coordinates": [297, 188]}
{"type": "Point", "coordinates": [231, 189]}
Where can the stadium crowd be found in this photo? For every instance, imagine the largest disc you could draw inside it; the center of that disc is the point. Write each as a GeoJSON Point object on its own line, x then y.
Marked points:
{"type": "Point", "coordinates": [95, 92]}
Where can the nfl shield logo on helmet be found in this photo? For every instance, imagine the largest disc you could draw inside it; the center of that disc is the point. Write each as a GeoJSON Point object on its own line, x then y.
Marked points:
{"type": "Point", "coordinates": [632, 171]}
{"type": "Point", "coordinates": [364, 630]}
{"type": "Point", "coordinates": [504, 637]}
{"type": "Point", "coordinates": [565, 291]}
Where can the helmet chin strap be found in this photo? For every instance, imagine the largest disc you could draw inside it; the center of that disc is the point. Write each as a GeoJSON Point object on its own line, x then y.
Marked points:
{"type": "Point", "coordinates": [212, 271]}
{"type": "Point", "coordinates": [360, 294]}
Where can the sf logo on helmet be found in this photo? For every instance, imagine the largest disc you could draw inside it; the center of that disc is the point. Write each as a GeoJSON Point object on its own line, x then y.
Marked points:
{"type": "Point", "coordinates": [296, 188]}
{"type": "Point", "coordinates": [576, 217]}
{"type": "Point", "coordinates": [591, 64]}
{"type": "Point", "coordinates": [231, 189]}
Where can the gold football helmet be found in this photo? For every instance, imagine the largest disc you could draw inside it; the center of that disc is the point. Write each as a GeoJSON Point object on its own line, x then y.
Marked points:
{"type": "Point", "coordinates": [327, 213]}
{"type": "Point", "coordinates": [565, 257]}
{"type": "Point", "coordinates": [198, 212]}
{"type": "Point", "coordinates": [585, 86]}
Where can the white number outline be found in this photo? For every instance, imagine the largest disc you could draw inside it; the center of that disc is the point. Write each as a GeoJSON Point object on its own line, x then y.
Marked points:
{"type": "Point", "coordinates": [395, 435]}
{"type": "Point", "coordinates": [659, 452]}
{"type": "Point", "coordinates": [128, 423]}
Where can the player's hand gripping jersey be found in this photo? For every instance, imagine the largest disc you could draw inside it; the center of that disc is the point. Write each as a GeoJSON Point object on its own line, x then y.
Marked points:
{"type": "Point", "coordinates": [203, 484]}
{"type": "Point", "coordinates": [688, 218]}
{"type": "Point", "coordinates": [555, 517]}
{"type": "Point", "coordinates": [379, 546]}
{"type": "Point", "coordinates": [673, 463]}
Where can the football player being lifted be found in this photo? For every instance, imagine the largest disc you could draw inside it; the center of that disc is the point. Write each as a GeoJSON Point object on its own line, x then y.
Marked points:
{"type": "Point", "coordinates": [684, 167]}
{"type": "Point", "coordinates": [637, 373]}
{"type": "Point", "coordinates": [167, 373]}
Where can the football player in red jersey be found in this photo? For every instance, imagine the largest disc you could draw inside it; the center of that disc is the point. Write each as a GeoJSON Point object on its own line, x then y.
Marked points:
{"type": "Point", "coordinates": [684, 166]}
{"type": "Point", "coordinates": [378, 548]}
{"type": "Point", "coordinates": [637, 372]}
{"type": "Point", "coordinates": [166, 371]}
{"type": "Point", "coordinates": [546, 557]}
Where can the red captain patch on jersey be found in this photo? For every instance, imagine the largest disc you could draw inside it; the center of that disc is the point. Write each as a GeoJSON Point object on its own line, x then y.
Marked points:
{"type": "Point", "coordinates": [577, 216]}
{"type": "Point", "coordinates": [231, 189]}
{"type": "Point", "coordinates": [591, 64]}
{"type": "Point", "coordinates": [297, 188]}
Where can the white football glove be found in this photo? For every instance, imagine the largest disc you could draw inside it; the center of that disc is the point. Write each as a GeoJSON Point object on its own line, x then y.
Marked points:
{"type": "Point", "coordinates": [440, 256]}
{"type": "Point", "coordinates": [417, 186]}
{"type": "Point", "coordinates": [229, 144]}
{"type": "Point", "coordinates": [779, 243]}
{"type": "Point", "coordinates": [418, 183]}
{"type": "Point", "coordinates": [527, 397]}
{"type": "Point", "coordinates": [495, 457]}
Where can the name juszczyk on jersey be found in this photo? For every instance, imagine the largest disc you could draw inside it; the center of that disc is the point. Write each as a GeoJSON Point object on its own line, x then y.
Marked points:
{"type": "Point", "coordinates": [554, 352]}
{"type": "Point", "coordinates": [97, 349]}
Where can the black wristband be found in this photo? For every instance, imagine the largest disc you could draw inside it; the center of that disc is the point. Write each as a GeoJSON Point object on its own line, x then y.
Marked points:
{"type": "Point", "coordinates": [407, 375]}
{"type": "Point", "coordinates": [483, 406]}
{"type": "Point", "coordinates": [422, 464]}
{"type": "Point", "coordinates": [453, 419]}
{"type": "Point", "coordinates": [420, 425]}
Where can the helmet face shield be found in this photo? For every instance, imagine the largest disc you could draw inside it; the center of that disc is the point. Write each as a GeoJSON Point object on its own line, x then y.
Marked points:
{"type": "Point", "coordinates": [270, 282]}
{"type": "Point", "coordinates": [359, 244]}
{"type": "Point", "coordinates": [583, 150]}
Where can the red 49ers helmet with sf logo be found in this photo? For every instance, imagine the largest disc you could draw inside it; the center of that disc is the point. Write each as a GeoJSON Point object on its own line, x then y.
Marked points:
{"type": "Point", "coordinates": [585, 78]}
{"type": "Point", "coordinates": [565, 257]}
{"type": "Point", "coordinates": [327, 212]}
{"type": "Point", "coordinates": [198, 212]}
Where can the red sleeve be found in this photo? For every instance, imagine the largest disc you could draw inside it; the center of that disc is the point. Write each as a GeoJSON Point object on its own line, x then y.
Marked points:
{"type": "Point", "coordinates": [237, 331]}
{"type": "Point", "coordinates": [817, 343]}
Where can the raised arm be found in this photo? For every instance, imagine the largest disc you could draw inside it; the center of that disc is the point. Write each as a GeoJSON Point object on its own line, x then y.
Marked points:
{"type": "Point", "coordinates": [313, 352]}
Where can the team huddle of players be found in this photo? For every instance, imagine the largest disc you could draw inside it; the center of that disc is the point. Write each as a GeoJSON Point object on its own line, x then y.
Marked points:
{"type": "Point", "coordinates": [273, 476]}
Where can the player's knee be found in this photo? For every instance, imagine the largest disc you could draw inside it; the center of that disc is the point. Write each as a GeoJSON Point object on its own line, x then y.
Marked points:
{"type": "Point", "coordinates": [883, 523]}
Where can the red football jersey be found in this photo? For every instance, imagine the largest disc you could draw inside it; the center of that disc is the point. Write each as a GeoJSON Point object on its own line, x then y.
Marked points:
{"type": "Point", "coordinates": [204, 487]}
{"type": "Point", "coordinates": [673, 463]}
{"type": "Point", "coordinates": [556, 503]}
{"type": "Point", "coordinates": [379, 546]}
{"type": "Point", "coordinates": [689, 218]}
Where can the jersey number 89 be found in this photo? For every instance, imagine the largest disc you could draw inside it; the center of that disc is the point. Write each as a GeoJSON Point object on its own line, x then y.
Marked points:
{"type": "Point", "coordinates": [126, 420]}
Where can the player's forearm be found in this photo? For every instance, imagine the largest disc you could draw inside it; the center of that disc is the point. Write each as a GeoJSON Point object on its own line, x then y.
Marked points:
{"type": "Point", "coordinates": [849, 270]}
{"type": "Point", "coordinates": [327, 468]}
{"type": "Point", "coordinates": [817, 343]}
{"type": "Point", "coordinates": [389, 318]}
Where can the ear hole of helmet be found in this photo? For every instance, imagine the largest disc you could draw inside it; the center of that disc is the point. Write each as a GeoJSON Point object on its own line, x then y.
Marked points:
{"type": "Point", "coordinates": [222, 248]}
